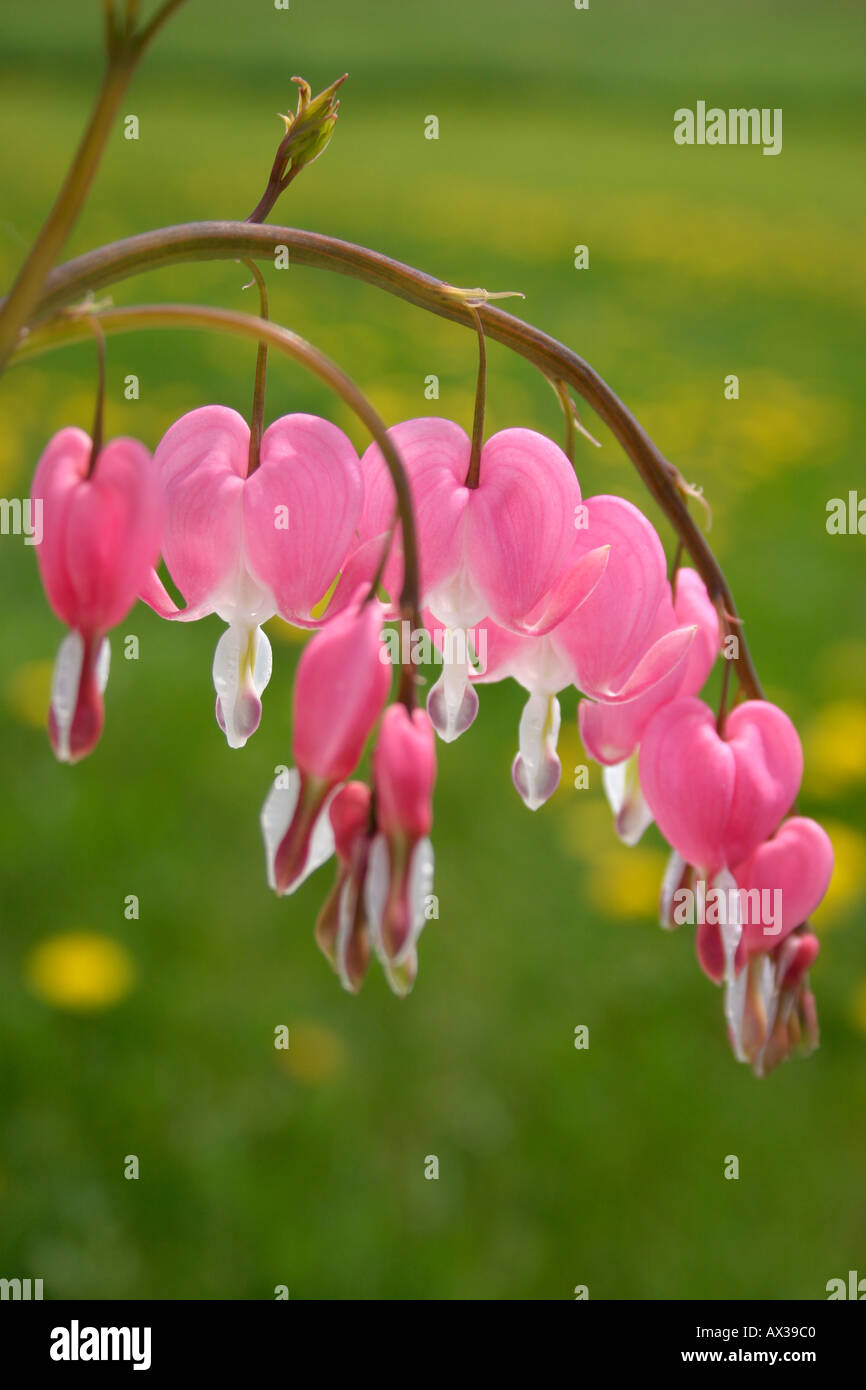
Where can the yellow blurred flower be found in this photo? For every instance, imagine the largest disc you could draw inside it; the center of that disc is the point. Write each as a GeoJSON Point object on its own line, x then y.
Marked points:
{"type": "Point", "coordinates": [843, 665]}
{"type": "Point", "coordinates": [849, 873]}
{"type": "Point", "coordinates": [622, 882]}
{"type": "Point", "coordinates": [315, 1054]}
{"type": "Point", "coordinates": [835, 747]}
{"type": "Point", "coordinates": [80, 970]}
{"type": "Point", "coordinates": [28, 692]}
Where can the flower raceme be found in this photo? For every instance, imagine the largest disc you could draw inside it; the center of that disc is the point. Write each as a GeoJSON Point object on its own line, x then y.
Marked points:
{"type": "Point", "coordinates": [558, 592]}
{"type": "Point", "coordinates": [249, 545]}
{"type": "Point", "coordinates": [100, 536]}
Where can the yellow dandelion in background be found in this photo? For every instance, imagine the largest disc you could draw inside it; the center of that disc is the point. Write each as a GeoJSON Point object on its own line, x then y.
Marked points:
{"type": "Point", "coordinates": [622, 882]}
{"type": "Point", "coordinates": [80, 970]}
{"type": "Point", "coordinates": [843, 664]}
{"type": "Point", "coordinates": [27, 693]}
{"type": "Point", "coordinates": [849, 873]}
{"type": "Point", "coordinates": [835, 747]}
{"type": "Point", "coordinates": [315, 1054]}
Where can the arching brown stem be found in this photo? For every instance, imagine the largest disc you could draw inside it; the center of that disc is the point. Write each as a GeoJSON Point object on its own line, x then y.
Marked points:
{"type": "Point", "coordinates": [233, 240]}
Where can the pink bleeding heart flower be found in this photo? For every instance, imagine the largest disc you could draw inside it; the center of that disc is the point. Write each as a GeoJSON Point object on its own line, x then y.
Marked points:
{"type": "Point", "coordinates": [341, 684]}
{"type": "Point", "coordinates": [782, 883]}
{"type": "Point", "coordinates": [776, 888]}
{"type": "Point", "coordinates": [607, 637]}
{"type": "Point", "coordinates": [400, 869]}
{"type": "Point", "coordinates": [341, 927]}
{"type": "Point", "coordinates": [611, 730]}
{"type": "Point", "coordinates": [248, 546]}
{"type": "Point", "coordinates": [100, 536]}
{"type": "Point", "coordinates": [751, 941]}
{"type": "Point", "coordinates": [716, 797]}
{"type": "Point", "coordinates": [502, 550]}
{"type": "Point", "coordinates": [614, 613]}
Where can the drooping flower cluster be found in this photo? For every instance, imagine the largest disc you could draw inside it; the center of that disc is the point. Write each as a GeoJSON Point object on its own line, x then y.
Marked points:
{"type": "Point", "coordinates": [518, 577]}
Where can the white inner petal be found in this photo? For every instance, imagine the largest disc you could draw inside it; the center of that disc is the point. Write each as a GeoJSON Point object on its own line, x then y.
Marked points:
{"type": "Point", "coordinates": [453, 701]}
{"type": "Point", "coordinates": [536, 769]}
{"type": "Point", "coordinates": [276, 816]}
{"type": "Point", "coordinates": [622, 787]}
{"type": "Point", "coordinates": [376, 885]}
{"type": "Point", "coordinates": [241, 670]}
{"type": "Point", "coordinates": [420, 889]}
{"type": "Point", "coordinates": [65, 681]}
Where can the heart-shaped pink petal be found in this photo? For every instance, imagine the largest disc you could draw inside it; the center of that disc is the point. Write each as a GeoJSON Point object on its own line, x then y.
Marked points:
{"type": "Point", "coordinates": [716, 798]}
{"type": "Point", "coordinates": [797, 863]}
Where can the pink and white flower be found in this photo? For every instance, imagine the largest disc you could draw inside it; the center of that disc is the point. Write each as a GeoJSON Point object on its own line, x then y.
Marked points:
{"type": "Point", "coordinates": [100, 536]}
{"type": "Point", "coordinates": [247, 546]}
{"type": "Point", "coordinates": [501, 551]}
{"type": "Point", "coordinates": [341, 686]}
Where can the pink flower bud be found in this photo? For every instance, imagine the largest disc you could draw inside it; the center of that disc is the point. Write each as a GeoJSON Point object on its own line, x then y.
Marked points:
{"type": "Point", "coordinates": [404, 764]}
{"type": "Point", "coordinates": [340, 687]}
{"type": "Point", "coordinates": [791, 872]}
{"type": "Point", "coordinates": [400, 870]}
{"type": "Point", "coordinates": [341, 927]}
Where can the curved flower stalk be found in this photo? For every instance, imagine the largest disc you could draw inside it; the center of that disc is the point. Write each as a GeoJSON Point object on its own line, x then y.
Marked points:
{"type": "Point", "coordinates": [246, 545]}
{"type": "Point", "coordinates": [100, 536]}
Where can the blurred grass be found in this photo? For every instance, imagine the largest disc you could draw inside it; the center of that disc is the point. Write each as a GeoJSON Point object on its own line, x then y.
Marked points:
{"type": "Point", "coordinates": [557, 1167]}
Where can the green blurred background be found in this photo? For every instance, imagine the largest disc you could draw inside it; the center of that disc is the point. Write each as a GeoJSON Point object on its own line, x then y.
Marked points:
{"type": "Point", "coordinates": [155, 1037]}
